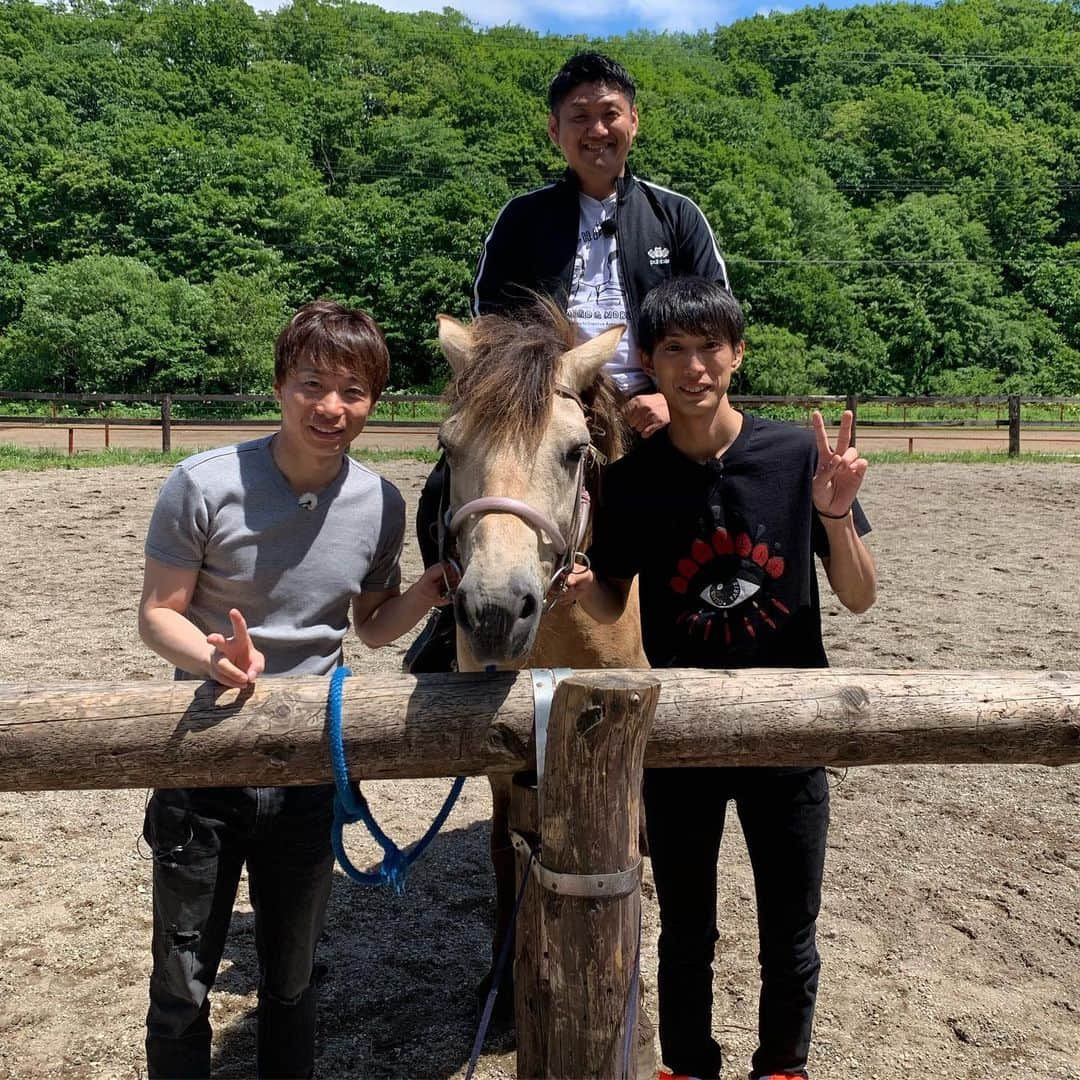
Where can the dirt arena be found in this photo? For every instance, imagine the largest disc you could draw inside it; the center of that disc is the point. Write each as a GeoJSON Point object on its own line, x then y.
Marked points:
{"type": "Point", "coordinates": [951, 923]}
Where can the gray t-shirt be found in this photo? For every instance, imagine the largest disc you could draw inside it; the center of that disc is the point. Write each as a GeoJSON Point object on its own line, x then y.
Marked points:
{"type": "Point", "coordinates": [291, 571]}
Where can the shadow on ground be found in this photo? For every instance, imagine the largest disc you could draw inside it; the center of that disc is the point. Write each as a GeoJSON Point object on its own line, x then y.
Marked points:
{"type": "Point", "coordinates": [397, 994]}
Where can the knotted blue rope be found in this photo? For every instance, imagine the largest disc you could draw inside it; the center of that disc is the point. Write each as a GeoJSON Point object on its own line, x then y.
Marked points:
{"type": "Point", "coordinates": [350, 806]}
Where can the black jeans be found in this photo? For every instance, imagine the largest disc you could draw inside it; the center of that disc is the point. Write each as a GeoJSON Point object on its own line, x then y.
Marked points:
{"type": "Point", "coordinates": [784, 815]}
{"type": "Point", "coordinates": [201, 839]}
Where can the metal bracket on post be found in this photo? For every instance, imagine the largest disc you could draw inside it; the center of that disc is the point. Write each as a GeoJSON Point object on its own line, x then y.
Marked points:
{"type": "Point", "coordinates": [544, 681]}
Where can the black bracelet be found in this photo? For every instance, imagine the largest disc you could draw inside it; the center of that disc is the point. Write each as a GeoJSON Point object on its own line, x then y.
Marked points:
{"type": "Point", "coordinates": [833, 517]}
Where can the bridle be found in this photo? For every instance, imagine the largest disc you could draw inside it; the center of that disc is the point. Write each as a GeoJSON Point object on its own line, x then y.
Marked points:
{"type": "Point", "coordinates": [566, 546]}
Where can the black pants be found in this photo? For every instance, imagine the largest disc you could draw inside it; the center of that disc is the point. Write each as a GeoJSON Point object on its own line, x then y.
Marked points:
{"type": "Point", "coordinates": [201, 839]}
{"type": "Point", "coordinates": [784, 815]}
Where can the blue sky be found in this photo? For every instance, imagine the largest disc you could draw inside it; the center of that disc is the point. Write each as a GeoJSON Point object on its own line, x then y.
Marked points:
{"type": "Point", "coordinates": [599, 18]}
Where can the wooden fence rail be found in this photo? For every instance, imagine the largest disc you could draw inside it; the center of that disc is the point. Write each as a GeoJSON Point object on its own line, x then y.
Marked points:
{"type": "Point", "coordinates": [142, 734]}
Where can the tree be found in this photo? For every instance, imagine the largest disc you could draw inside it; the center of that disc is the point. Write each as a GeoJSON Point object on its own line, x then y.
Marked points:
{"type": "Point", "coordinates": [780, 362]}
{"type": "Point", "coordinates": [893, 185]}
{"type": "Point", "coordinates": [103, 323]}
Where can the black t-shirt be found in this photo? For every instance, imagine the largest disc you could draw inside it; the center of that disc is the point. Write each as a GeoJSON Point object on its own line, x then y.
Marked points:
{"type": "Point", "coordinates": [724, 549]}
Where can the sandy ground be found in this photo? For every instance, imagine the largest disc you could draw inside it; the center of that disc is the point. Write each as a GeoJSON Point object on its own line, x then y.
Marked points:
{"type": "Point", "coordinates": [951, 922]}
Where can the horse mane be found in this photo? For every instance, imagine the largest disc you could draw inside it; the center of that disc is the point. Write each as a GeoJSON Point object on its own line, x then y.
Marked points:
{"type": "Point", "coordinates": [506, 389]}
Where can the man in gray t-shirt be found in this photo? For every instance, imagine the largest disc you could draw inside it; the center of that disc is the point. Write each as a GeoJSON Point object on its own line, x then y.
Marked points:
{"type": "Point", "coordinates": [292, 566]}
{"type": "Point", "coordinates": [254, 557]}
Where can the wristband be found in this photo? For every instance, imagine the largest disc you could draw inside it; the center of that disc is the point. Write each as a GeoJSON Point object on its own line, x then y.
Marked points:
{"type": "Point", "coordinates": [833, 517]}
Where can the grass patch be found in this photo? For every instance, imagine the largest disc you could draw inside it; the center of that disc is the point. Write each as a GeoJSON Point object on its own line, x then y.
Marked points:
{"type": "Point", "coordinates": [374, 457]}
{"type": "Point", "coordinates": [37, 459]}
{"type": "Point", "coordinates": [967, 457]}
{"type": "Point", "coordinates": [23, 459]}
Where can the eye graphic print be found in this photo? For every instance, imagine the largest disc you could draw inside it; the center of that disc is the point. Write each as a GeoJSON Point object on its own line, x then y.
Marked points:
{"type": "Point", "coordinates": [727, 594]}
{"type": "Point", "coordinates": [727, 582]}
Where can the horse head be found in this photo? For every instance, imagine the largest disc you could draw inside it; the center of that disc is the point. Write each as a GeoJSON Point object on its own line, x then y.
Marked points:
{"type": "Point", "coordinates": [529, 409]}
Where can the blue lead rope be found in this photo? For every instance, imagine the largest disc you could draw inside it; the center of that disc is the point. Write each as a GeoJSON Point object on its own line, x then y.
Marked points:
{"type": "Point", "coordinates": [350, 806]}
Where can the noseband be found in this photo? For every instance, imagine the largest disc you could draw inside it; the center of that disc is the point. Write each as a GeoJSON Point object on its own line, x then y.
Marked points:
{"type": "Point", "coordinates": [566, 547]}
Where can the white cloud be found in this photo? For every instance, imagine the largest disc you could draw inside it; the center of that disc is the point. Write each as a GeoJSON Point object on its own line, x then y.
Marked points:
{"type": "Point", "coordinates": [620, 15]}
{"type": "Point", "coordinates": [599, 17]}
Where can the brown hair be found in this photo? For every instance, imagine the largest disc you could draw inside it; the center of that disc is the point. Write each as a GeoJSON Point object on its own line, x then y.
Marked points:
{"type": "Point", "coordinates": [327, 335]}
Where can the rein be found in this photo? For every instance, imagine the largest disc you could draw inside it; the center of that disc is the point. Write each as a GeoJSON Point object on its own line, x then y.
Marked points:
{"type": "Point", "coordinates": [566, 547]}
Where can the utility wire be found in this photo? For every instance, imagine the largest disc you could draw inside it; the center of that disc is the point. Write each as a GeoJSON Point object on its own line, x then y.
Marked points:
{"type": "Point", "coordinates": [872, 59]}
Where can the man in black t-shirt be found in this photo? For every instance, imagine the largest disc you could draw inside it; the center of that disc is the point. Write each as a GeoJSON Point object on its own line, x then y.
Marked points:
{"type": "Point", "coordinates": [720, 516]}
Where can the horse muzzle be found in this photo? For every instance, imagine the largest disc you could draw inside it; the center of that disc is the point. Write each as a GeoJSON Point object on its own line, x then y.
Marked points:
{"type": "Point", "coordinates": [499, 626]}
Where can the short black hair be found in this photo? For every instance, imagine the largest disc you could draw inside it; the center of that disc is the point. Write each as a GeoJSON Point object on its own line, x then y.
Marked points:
{"type": "Point", "coordinates": [693, 305]}
{"type": "Point", "coordinates": [589, 67]}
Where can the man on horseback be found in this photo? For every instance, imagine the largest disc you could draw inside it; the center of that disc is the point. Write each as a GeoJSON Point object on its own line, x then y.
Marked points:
{"type": "Point", "coordinates": [595, 242]}
{"type": "Point", "coordinates": [719, 518]}
{"type": "Point", "coordinates": [599, 238]}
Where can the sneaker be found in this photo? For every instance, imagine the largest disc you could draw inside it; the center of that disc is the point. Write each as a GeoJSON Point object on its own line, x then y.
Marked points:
{"type": "Point", "coordinates": [435, 647]}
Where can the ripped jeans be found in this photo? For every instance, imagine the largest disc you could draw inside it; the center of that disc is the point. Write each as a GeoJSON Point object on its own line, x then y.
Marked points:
{"type": "Point", "coordinates": [201, 839]}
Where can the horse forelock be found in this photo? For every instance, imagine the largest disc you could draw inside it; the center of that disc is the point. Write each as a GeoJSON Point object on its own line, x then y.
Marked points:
{"type": "Point", "coordinates": [504, 392]}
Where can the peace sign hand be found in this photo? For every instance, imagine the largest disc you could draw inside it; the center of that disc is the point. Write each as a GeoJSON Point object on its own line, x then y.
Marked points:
{"type": "Point", "coordinates": [235, 661]}
{"type": "Point", "coordinates": [840, 472]}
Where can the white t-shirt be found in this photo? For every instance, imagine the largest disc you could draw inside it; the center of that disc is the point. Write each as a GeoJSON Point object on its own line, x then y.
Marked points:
{"type": "Point", "coordinates": [597, 301]}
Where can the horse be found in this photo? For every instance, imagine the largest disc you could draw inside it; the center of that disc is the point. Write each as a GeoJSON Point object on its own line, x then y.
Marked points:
{"type": "Point", "coordinates": [531, 414]}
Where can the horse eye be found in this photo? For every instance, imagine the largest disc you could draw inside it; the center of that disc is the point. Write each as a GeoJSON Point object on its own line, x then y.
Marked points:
{"type": "Point", "coordinates": [573, 457]}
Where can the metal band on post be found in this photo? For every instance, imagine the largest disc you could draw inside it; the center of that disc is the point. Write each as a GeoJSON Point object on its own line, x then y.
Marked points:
{"type": "Point", "coordinates": [544, 681]}
{"type": "Point", "coordinates": [589, 886]}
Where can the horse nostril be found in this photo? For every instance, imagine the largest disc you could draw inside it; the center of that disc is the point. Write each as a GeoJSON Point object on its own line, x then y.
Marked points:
{"type": "Point", "coordinates": [528, 606]}
{"type": "Point", "coordinates": [461, 613]}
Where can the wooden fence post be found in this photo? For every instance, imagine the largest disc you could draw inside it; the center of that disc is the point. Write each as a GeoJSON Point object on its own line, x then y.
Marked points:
{"type": "Point", "coordinates": [852, 404]}
{"type": "Point", "coordinates": [166, 423]}
{"type": "Point", "coordinates": [577, 954]}
{"type": "Point", "coordinates": [1014, 425]}
{"type": "Point", "coordinates": [532, 976]}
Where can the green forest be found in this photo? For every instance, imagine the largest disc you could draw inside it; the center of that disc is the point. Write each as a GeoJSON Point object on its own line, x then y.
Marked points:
{"type": "Point", "coordinates": [896, 188]}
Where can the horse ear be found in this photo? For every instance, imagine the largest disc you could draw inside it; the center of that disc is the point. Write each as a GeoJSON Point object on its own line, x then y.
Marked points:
{"type": "Point", "coordinates": [582, 364]}
{"type": "Point", "coordinates": [455, 340]}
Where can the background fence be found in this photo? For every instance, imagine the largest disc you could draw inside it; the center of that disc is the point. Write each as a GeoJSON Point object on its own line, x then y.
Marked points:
{"type": "Point", "coordinates": [898, 416]}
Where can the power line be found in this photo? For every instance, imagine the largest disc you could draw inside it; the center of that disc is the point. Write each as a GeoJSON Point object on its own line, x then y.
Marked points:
{"type": "Point", "coordinates": [730, 257]}
{"type": "Point", "coordinates": [301, 248]}
{"type": "Point", "coordinates": [877, 59]}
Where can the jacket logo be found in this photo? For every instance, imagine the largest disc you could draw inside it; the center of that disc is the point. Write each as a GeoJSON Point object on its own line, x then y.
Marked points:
{"type": "Point", "coordinates": [659, 256]}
